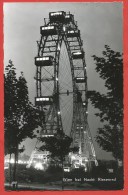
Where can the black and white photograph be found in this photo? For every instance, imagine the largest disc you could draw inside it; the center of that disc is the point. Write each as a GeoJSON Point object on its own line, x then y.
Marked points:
{"type": "Point", "coordinates": [63, 96]}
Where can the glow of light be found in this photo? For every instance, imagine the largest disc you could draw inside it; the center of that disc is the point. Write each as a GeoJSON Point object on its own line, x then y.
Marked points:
{"type": "Point", "coordinates": [47, 135]}
{"type": "Point", "coordinates": [56, 13]}
{"type": "Point", "coordinates": [58, 112]}
{"type": "Point", "coordinates": [20, 162]}
{"type": "Point", "coordinates": [86, 112]}
{"type": "Point", "coordinates": [96, 162]}
{"type": "Point", "coordinates": [67, 16]}
{"type": "Point", "coordinates": [71, 31]}
{"type": "Point", "coordinates": [73, 157]}
{"type": "Point", "coordinates": [42, 99]}
{"type": "Point", "coordinates": [47, 27]}
{"type": "Point", "coordinates": [66, 169]}
{"type": "Point", "coordinates": [80, 78]}
{"type": "Point", "coordinates": [64, 28]}
{"type": "Point", "coordinates": [12, 161]}
{"type": "Point", "coordinates": [56, 79]}
{"type": "Point", "coordinates": [39, 166]}
{"type": "Point", "coordinates": [77, 53]}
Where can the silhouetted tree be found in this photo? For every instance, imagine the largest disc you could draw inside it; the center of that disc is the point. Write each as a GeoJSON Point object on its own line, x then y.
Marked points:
{"type": "Point", "coordinates": [59, 147]}
{"type": "Point", "coordinates": [21, 117]}
{"type": "Point", "coordinates": [110, 105]}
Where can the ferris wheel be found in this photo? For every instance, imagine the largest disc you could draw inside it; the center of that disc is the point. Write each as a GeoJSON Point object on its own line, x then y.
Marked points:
{"type": "Point", "coordinates": [61, 82]}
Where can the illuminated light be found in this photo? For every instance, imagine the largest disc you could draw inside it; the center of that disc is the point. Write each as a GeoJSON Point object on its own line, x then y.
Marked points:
{"type": "Point", "coordinates": [59, 112]}
{"type": "Point", "coordinates": [77, 53]}
{"type": "Point", "coordinates": [84, 103]}
{"type": "Point", "coordinates": [66, 169]}
{"type": "Point", "coordinates": [47, 27]}
{"type": "Point", "coordinates": [43, 59]}
{"type": "Point", "coordinates": [39, 59]}
{"type": "Point", "coordinates": [64, 29]}
{"type": "Point", "coordinates": [56, 79]}
{"type": "Point", "coordinates": [59, 47]}
{"type": "Point", "coordinates": [42, 99]}
{"type": "Point", "coordinates": [71, 31]}
{"type": "Point", "coordinates": [96, 162]}
{"type": "Point", "coordinates": [81, 127]}
{"type": "Point", "coordinates": [12, 161]}
{"type": "Point", "coordinates": [39, 166]}
{"type": "Point", "coordinates": [67, 16]}
{"type": "Point", "coordinates": [47, 135]}
{"type": "Point", "coordinates": [86, 112]}
{"type": "Point", "coordinates": [56, 14]}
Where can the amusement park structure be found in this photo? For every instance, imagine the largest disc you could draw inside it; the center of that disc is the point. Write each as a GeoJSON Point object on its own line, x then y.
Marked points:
{"type": "Point", "coordinates": [58, 30]}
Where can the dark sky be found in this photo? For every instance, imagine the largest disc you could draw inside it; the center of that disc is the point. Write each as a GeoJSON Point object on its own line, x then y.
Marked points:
{"type": "Point", "coordinates": [99, 23]}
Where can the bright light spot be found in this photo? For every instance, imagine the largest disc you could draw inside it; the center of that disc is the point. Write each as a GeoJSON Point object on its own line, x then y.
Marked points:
{"type": "Point", "coordinates": [96, 162]}
{"type": "Point", "coordinates": [77, 53]}
{"type": "Point", "coordinates": [66, 169]}
{"type": "Point", "coordinates": [56, 79]}
{"type": "Point", "coordinates": [47, 27]}
{"type": "Point", "coordinates": [12, 161]}
{"type": "Point", "coordinates": [39, 166]}
{"type": "Point", "coordinates": [42, 99]}
{"type": "Point", "coordinates": [80, 78]}
{"type": "Point", "coordinates": [71, 31]}
{"type": "Point", "coordinates": [56, 13]}
{"type": "Point", "coordinates": [58, 112]}
{"type": "Point", "coordinates": [64, 29]}
{"type": "Point", "coordinates": [67, 16]}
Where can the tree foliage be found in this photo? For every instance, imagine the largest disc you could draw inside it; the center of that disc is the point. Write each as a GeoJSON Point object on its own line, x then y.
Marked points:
{"type": "Point", "coordinates": [110, 105]}
{"type": "Point", "coordinates": [21, 118]}
{"type": "Point", "coordinates": [59, 145]}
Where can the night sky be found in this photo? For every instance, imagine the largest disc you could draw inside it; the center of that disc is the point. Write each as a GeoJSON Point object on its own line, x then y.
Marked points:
{"type": "Point", "coordinates": [99, 23]}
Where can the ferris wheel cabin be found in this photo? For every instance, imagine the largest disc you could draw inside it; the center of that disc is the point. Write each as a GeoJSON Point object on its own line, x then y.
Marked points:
{"type": "Point", "coordinates": [73, 33]}
{"type": "Point", "coordinates": [57, 16]}
{"type": "Point", "coordinates": [45, 100]}
{"type": "Point", "coordinates": [44, 61]}
{"type": "Point", "coordinates": [48, 30]}
{"type": "Point", "coordinates": [78, 55]}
